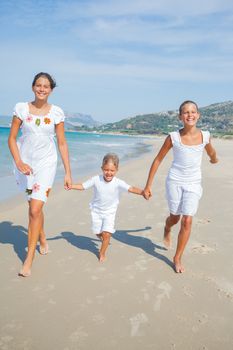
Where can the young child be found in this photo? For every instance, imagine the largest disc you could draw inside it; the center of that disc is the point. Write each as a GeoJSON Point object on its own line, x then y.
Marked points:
{"type": "Point", "coordinates": [183, 183]}
{"type": "Point", "coordinates": [107, 190]}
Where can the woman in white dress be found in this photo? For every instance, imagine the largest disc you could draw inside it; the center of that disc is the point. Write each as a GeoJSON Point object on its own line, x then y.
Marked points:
{"type": "Point", "coordinates": [35, 157]}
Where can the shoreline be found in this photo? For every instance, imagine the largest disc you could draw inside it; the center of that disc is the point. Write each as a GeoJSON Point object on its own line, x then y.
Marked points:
{"type": "Point", "coordinates": [9, 187]}
{"type": "Point", "coordinates": [8, 201]}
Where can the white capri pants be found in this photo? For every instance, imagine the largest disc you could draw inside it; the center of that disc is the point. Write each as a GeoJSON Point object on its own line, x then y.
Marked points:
{"type": "Point", "coordinates": [183, 199]}
{"type": "Point", "coordinates": [102, 222]}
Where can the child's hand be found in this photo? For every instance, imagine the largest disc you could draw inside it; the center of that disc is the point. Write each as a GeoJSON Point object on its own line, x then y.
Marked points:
{"type": "Point", "coordinates": [147, 193]}
{"type": "Point", "coordinates": [67, 182]}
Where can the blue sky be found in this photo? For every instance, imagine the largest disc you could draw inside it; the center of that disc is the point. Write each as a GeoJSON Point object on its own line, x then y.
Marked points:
{"type": "Point", "coordinates": [115, 59]}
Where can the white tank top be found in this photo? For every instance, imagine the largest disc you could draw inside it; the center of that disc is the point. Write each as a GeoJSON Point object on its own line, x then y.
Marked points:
{"type": "Point", "coordinates": [186, 165]}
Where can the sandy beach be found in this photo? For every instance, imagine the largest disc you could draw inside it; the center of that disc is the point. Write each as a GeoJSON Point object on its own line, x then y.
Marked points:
{"type": "Point", "coordinates": [134, 300]}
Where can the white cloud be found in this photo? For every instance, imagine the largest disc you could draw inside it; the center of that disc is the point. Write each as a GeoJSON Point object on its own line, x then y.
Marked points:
{"type": "Point", "coordinates": [213, 69]}
{"type": "Point", "coordinates": [112, 8]}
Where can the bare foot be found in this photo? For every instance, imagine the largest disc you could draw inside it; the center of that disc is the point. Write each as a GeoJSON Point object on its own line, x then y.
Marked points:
{"type": "Point", "coordinates": [25, 270]}
{"type": "Point", "coordinates": [102, 258]}
{"type": "Point", "coordinates": [44, 248]}
{"type": "Point", "coordinates": [167, 237]}
{"type": "Point", "coordinates": [178, 266]}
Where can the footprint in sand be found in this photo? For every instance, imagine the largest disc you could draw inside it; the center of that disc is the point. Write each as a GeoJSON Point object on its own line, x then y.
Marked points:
{"type": "Point", "coordinates": [166, 291]}
{"type": "Point", "coordinates": [141, 264]}
{"type": "Point", "coordinates": [202, 249]}
{"type": "Point", "coordinates": [78, 336]}
{"type": "Point", "coordinates": [203, 221]}
{"type": "Point", "coordinates": [52, 301]}
{"type": "Point", "coordinates": [98, 319]}
{"type": "Point", "coordinates": [136, 322]}
{"type": "Point", "coordinates": [146, 295]}
{"type": "Point", "coordinates": [201, 320]}
{"type": "Point", "coordinates": [187, 292]}
{"type": "Point", "coordinates": [94, 278]}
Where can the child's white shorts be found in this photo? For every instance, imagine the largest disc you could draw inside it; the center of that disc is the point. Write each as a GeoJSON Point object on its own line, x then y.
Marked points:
{"type": "Point", "coordinates": [183, 199]}
{"type": "Point", "coordinates": [102, 222]}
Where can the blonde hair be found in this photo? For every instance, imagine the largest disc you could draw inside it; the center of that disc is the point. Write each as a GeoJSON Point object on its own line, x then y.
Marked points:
{"type": "Point", "coordinates": [111, 158]}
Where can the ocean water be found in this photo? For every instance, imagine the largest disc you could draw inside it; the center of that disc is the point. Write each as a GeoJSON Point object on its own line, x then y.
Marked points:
{"type": "Point", "coordinates": [86, 153]}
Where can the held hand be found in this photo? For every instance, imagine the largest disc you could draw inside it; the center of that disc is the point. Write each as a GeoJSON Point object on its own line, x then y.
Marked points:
{"type": "Point", "coordinates": [67, 182]}
{"type": "Point", "coordinates": [147, 193]}
{"type": "Point", "coordinates": [213, 161]}
{"type": "Point", "coordinates": [24, 168]}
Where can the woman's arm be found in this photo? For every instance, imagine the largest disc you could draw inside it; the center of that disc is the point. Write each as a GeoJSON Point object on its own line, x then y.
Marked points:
{"type": "Point", "coordinates": [154, 167]}
{"type": "Point", "coordinates": [211, 153]}
{"type": "Point", "coordinates": [63, 149]}
{"type": "Point", "coordinates": [22, 167]}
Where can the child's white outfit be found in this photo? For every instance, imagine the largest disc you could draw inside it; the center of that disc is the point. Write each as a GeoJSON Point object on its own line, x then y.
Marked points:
{"type": "Point", "coordinates": [105, 202]}
{"type": "Point", "coordinates": [37, 148]}
{"type": "Point", "coordinates": [183, 183]}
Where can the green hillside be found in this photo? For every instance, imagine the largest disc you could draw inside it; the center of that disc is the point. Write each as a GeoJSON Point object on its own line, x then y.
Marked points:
{"type": "Point", "coordinates": [218, 118]}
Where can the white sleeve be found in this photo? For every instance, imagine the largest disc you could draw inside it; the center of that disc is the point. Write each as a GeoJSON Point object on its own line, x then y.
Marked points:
{"type": "Point", "coordinates": [20, 110]}
{"type": "Point", "coordinates": [123, 186]}
{"type": "Point", "coordinates": [89, 183]}
{"type": "Point", "coordinates": [58, 115]}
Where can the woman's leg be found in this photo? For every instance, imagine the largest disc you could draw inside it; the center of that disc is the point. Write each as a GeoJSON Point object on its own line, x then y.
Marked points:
{"type": "Point", "coordinates": [184, 234]}
{"type": "Point", "coordinates": [105, 242]}
{"type": "Point", "coordinates": [44, 248]}
{"type": "Point", "coordinates": [170, 221]}
{"type": "Point", "coordinates": [35, 225]}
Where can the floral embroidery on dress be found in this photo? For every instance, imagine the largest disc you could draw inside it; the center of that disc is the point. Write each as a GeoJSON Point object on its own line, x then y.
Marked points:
{"type": "Point", "coordinates": [28, 191]}
{"type": "Point", "coordinates": [35, 187]}
{"type": "Point", "coordinates": [29, 119]}
{"type": "Point", "coordinates": [47, 192]}
{"type": "Point", "coordinates": [47, 120]}
{"type": "Point", "coordinates": [37, 122]}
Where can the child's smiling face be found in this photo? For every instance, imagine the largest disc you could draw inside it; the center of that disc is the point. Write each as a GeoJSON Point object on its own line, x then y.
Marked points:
{"type": "Point", "coordinates": [189, 114]}
{"type": "Point", "coordinates": [109, 171]}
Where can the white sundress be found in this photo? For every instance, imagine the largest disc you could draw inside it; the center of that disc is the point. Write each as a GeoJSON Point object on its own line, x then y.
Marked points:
{"type": "Point", "coordinates": [37, 148]}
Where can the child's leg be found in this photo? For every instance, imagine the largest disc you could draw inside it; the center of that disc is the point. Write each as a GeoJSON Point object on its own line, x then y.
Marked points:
{"type": "Point", "coordinates": [185, 230]}
{"type": "Point", "coordinates": [105, 242]}
{"type": "Point", "coordinates": [170, 221]}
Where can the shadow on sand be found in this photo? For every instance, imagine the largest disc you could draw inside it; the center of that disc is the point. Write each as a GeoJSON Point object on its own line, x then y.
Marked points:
{"type": "Point", "coordinates": [16, 236]}
{"type": "Point", "coordinates": [145, 244]}
{"type": "Point", "coordinates": [81, 242]}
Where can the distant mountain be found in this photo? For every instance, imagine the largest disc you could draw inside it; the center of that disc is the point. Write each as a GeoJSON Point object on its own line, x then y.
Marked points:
{"type": "Point", "coordinates": [73, 121]}
{"type": "Point", "coordinates": [78, 120]}
{"type": "Point", "coordinates": [217, 117]}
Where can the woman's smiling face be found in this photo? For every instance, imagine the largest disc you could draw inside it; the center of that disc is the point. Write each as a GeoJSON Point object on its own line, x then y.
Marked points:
{"type": "Point", "coordinates": [42, 88]}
